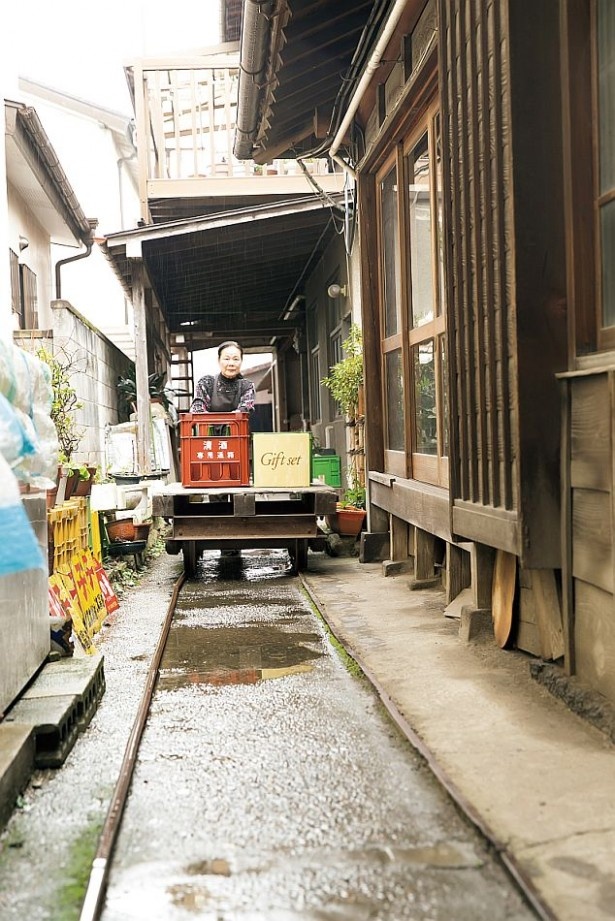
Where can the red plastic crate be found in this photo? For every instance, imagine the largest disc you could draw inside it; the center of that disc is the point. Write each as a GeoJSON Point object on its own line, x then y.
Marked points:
{"type": "Point", "coordinates": [209, 458]}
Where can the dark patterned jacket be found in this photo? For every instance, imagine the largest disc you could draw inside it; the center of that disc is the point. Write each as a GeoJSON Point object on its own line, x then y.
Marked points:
{"type": "Point", "coordinates": [230, 395]}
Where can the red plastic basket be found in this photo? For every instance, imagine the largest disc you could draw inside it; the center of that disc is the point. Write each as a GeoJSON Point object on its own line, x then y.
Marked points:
{"type": "Point", "coordinates": [215, 449]}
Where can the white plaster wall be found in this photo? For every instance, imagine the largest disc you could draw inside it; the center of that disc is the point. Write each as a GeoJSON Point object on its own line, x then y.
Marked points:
{"type": "Point", "coordinates": [21, 221]}
{"type": "Point", "coordinates": [99, 178]}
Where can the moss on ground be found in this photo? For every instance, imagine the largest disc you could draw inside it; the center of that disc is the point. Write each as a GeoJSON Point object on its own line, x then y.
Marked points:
{"type": "Point", "coordinates": [351, 665]}
{"type": "Point", "coordinates": [69, 899]}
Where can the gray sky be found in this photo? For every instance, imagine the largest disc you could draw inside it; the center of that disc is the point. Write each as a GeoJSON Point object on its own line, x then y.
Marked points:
{"type": "Point", "coordinates": [81, 48]}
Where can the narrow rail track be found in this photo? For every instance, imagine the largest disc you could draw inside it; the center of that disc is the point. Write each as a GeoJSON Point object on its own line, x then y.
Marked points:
{"type": "Point", "coordinates": [95, 898]}
{"type": "Point", "coordinates": [95, 892]}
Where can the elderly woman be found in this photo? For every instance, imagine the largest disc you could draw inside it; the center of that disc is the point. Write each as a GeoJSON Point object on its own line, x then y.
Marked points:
{"type": "Point", "coordinates": [227, 391]}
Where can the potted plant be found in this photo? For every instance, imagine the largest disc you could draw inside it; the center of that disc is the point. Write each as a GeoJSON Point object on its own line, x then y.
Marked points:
{"type": "Point", "coordinates": [345, 382]}
{"type": "Point", "coordinates": [158, 390]}
{"type": "Point", "coordinates": [350, 513]}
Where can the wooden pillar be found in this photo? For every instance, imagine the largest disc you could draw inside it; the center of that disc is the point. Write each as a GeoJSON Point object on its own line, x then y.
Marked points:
{"type": "Point", "coordinates": [424, 556]}
{"type": "Point", "coordinates": [399, 538]}
{"type": "Point", "coordinates": [482, 560]}
{"type": "Point", "coordinates": [144, 432]}
{"type": "Point", "coordinates": [373, 434]}
{"type": "Point", "coordinates": [457, 571]}
{"type": "Point", "coordinates": [566, 532]}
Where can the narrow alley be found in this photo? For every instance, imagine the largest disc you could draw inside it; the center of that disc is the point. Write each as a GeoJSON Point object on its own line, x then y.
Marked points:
{"type": "Point", "coordinates": [270, 782]}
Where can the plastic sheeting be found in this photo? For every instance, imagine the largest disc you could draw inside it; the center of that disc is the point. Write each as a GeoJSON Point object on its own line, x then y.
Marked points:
{"type": "Point", "coordinates": [28, 439]}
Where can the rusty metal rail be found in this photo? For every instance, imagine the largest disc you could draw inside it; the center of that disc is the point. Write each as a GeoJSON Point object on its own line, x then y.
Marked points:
{"type": "Point", "coordinates": [97, 883]}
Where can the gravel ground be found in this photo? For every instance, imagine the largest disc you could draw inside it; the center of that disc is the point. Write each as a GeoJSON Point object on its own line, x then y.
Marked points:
{"type": "Point", "coordinates": [49, 841]}
{"type": "Point", "coordinates": [269, 787]}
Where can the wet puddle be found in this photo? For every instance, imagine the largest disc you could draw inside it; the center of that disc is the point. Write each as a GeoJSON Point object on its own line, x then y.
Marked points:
{"type": "Point", "coordinates": [244, 654]}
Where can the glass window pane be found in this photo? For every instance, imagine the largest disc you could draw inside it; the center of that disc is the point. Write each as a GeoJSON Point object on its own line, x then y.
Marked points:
{"type": "Point", "coordinates": [395, 401]}
{"type": "Point", "coordinates": [390, 250]}
{"type": "Point", "coordinates": [607, 224]}
{"type": "Point", "coordinates": [606, 92]}
{"type": "Point", "coordinates": [426, 432]}
{"type": "Point", "coordinates": [420, 230]}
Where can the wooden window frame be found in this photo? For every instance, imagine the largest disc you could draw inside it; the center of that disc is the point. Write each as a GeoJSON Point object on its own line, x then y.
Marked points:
{"type": "Point", "coordinates": [432, 469]}
{"type": "Point", "coordinates": [586, 334]}
{"type": "Point", "coordinates": [605, 334]}
{"type": "Point", "coordinates": [396, 462]}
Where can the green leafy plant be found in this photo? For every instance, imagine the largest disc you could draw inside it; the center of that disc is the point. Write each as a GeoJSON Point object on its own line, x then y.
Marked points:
{"type": "Point", "coordinates": [71, 469]}
{"type": "Point", "coordinates": [346, 377]}
{"type": "Point", "coordinates": [345, 382]}
{"type": "Point", "coordinates": [65, 402]}
{"type": "Point", "coordinates": [354, 497]}
{"type": "Point", "coordinates": [158, 390]}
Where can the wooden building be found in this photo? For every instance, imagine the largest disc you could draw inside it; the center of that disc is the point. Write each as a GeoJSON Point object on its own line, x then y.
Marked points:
{"type": "Point", "coordinates": [481, 135]}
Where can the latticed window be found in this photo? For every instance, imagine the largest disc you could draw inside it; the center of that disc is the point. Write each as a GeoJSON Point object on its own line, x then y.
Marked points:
{"type": "Point", "coordinates": [24, 297]}
{"type": "Point", "coordinates": [30, 297]}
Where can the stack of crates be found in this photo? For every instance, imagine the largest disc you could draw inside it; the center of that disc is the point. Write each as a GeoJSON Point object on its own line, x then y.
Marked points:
{"type": "Point", "coordinates": [215, 449]}
{"type": "Point", "coordinates": [69, 533]}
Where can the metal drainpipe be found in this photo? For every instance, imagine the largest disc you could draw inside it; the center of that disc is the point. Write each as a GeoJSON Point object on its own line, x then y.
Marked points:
{"type": "Point", "coordinates": [120, 164]}
{"type": "Point", "coordinates": [254, 35]}
{"type": "Point", "coordinates": [88, 250]}
{"type": "Point", "coordinates": [372, 66]}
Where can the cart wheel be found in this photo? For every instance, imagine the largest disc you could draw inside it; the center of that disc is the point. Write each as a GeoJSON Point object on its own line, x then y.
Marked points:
{"type": "Point", "coordinates": [190, 557]}
{"type": "Point", "coordinates": [298, 553]}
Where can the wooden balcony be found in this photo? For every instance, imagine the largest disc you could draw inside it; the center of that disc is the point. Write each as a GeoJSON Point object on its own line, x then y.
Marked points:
{"type": "Point", "coordinates": [185, 125]}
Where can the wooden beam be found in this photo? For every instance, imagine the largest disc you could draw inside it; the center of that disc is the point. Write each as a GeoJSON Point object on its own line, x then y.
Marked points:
{"type": "Point", "coordinates": [144, 437]}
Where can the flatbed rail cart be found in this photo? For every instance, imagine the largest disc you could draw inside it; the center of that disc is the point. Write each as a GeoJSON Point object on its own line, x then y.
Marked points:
{"type": "Point", "coordinates": [216, 507]}
{"type": "Point", "coordinates": [243, 518]}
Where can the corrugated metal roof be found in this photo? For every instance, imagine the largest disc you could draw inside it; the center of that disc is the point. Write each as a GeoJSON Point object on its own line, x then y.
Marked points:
{"type": "Point", "coordinates": [229, 274]}
{"type": "Point", "coordinates": [314, 60]}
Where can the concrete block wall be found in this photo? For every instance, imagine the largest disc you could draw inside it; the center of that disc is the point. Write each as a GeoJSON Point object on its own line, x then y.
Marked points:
{"type": "Point", "coordinates": [97, 364]}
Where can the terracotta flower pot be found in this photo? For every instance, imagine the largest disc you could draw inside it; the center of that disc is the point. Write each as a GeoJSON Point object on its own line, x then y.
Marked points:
{"type": "Point", "coordinates": [347, 522]}
{"type": "Point", "coordinates": [122, 529]}
{"type": "Point", "coordinates": [84, 487]}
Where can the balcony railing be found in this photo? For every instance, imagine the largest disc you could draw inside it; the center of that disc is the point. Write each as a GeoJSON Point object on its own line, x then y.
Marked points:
{"type": "Point", "coordinates": [187, 114]}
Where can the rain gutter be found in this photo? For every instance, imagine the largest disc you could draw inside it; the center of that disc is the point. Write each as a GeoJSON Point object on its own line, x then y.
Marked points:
{"type": "Point", "coordinates": [372, 66]}
{"type": "Point", "coordinates": [62, 262]}
{"type": "Point", "coordinates": [27, 130]}
{"type": "Point", "coordinates": [255, 38]}
{"type": "Point", "coordinates": [30, 136]}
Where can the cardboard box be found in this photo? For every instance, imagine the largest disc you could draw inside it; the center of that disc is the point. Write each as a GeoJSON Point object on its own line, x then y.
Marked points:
{"type": "Point", "coordinates": [281, 459]}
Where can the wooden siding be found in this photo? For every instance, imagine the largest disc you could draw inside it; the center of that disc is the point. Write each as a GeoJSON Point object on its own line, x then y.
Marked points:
{"type": "Point", "coordinates": [595, 638]}
{"type": "Point", "coordinates": [505, 266]}
{"type": "Point", "coordinates": [588, 460]}
{"type": "Point", "coordinates": [591, 480]}
{"type": "Point", "coordinates": [419, 504]}
{"type": "Point", "coordinates": [478, 198]}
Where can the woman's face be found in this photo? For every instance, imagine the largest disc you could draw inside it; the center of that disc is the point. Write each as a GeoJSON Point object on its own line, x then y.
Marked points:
{"type": "Point", "coordinates": [230, 361]}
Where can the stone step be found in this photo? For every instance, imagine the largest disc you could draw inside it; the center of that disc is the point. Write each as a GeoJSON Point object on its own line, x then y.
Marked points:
{"type": "Point", "coordinates": [16, 764]}
{"type": "Point", "coordinates": [55, 723]}
{"type": "Point", "coordinates": [58, 705]}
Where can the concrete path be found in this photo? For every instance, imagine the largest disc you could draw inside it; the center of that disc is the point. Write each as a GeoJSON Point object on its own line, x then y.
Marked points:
{"type": "Point", "coordinates": [538, 779]}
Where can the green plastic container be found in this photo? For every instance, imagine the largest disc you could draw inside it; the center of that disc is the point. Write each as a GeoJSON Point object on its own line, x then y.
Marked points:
{"type": "Point", "coordinates": [329, 466]}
